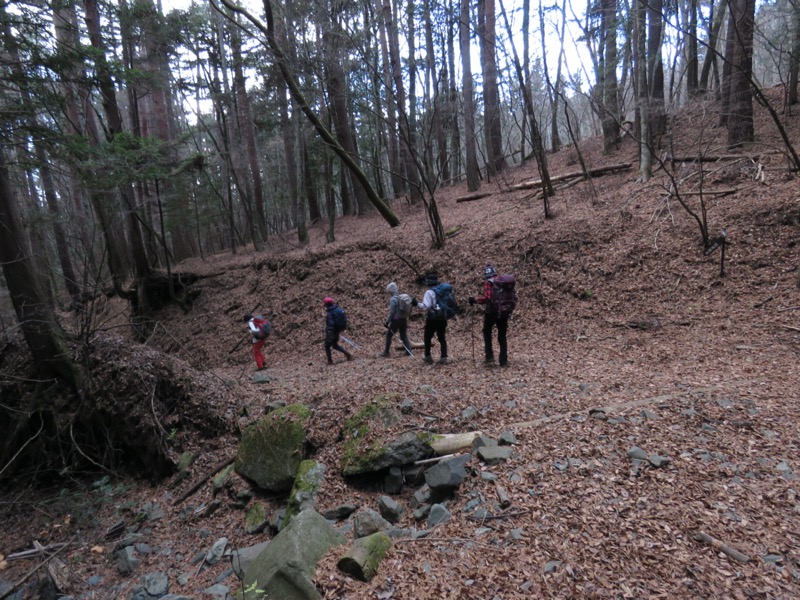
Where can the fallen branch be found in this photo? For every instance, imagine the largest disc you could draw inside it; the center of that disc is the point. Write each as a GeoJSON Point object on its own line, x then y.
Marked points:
{"type": "Point", "coordinates": [790, 328]}
{"type": "Point", "coordinates": [526, 185]}
{"type": "Point", "coordinates": [30, 573]}
{"type": "Point", "coordinates": [725, 192]}
{"type": "Point", "coordinates": [203, 480]}
{"type": "Point", "coordinates": [497, 517]}
{"type": "Point", "coordinates": [712, 158]}
{"type": "Point", "coordinates": [427, 461]}
{"type": "Point", "coordinates": [788, 308]}
{"type": "Point", "coordinates": [730, 552]}
{"type": "Point", "coordinates": [39, 550]}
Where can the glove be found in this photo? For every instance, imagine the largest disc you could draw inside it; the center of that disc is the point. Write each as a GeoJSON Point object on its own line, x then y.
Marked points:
{"type": "Point", "coordinates": [414, 301]}
{"type": "Point", "coordinates": [471, 300]}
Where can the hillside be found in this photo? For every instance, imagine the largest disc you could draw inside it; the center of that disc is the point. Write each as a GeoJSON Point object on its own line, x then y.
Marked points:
{"type": "Point", "coordinates": [619, 309]}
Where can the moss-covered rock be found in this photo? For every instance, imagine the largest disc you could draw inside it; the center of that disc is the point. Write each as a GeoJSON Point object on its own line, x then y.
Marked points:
{"type": "Point", "coordinates": [304, 491]}
{"type": "Point", "coordinates": [256, 519]}
{"type": "Point", "coordinates": [272, 449]}
{"type": "Point", "coordinates": [366, 448]}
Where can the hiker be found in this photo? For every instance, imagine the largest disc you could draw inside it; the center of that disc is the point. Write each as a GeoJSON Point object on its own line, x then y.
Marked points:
{"type": "Point", "coordinates": [400, 306]}
{"type": "Point", "coordinates": [335, 323]}
{"type": "Point", "coordinates": [260, 330]}
{"type": "Point", "coordinates": [499, 300]}
{"type": "Point", "coordinates": [435, 319]}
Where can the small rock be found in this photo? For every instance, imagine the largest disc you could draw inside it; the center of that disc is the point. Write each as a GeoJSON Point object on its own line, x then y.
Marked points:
{"type": "Point", "coordinates": [438, 515]}
{"type": "Point", "coordinates": [156, 584]}
{"type": "Point", "coordinates": [390, 510]}
{"type": "Point", "coordinates": [367, 521]}
{"type": "Point", "coordinates": [217, 591]}
{"type": "Point", "coordinates": [127, 561]}
{"type": "Point", "coordinates": [340, 512]}
{"type": "Point", "coordinates": [468, 413]}
{"type": "Point", "coordinates": [515, 534]}
{"type": "Point", "coordinates": [650, 415]}
{"type": "Point", "coordinates": [637, 453]}
{"type": "Point", "coordinates": [784, 467]}
{"type": "Point", "coordinates": [488, 476]}
{"type": "Point", "coordinates": [507, 439]}
{"type": "Point", "coordinates": [406, 406]}
{"type": "Point", "coordinates": [551, 565]}
{"type": "Point", "coordinates": [689, 412]}
{"type": "Point", "coordinates": [493, 456]}
{"type": "Point", "coordinates": [659, 461]}
{"type": "Point", "coordinates": [260, 378]}
{"type": "Point", "coordinates": [214, 555]}
{"type": "Point", "coordinates": [393, 482]}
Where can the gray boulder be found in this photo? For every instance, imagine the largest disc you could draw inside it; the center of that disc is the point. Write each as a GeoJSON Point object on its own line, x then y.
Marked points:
{"type": "Point", "coordinates": [362, 455]}
{"type": "Point", "coordinates": [284, 569]}
{"type": "Point", "coordinates": [367, 521]}
{"type": "Point", "coordinates": [272, 449]}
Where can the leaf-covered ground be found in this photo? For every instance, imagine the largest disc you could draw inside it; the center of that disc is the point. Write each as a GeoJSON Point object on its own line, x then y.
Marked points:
{"type": "Point", "coordinates": [619, 309]}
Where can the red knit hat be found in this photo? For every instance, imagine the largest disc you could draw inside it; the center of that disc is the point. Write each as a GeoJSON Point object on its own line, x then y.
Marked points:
{"type": "Point", "coordinates": [327, 300]}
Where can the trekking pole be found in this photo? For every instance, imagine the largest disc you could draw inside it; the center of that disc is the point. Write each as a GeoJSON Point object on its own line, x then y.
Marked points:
{"type": "Point", "coordinates": [472, 334]}
{"type": "Point", "coordinates": [239, 343]}
{"type": "Point", "coordinates": [410, 353]}
{"type": "Point", "coordinates": [353, 344]}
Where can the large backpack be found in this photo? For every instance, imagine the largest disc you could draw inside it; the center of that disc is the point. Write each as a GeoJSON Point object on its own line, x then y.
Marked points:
{"type": "Point", "coordinates": [446, 307]}
{"type": "Point", "coordinates": [504, 295]}
{"type": "Point", "coordinates": [404, 306]}
{"type": "Point", "coordinates": [264, 328]}
{"type": "Point", "coordinates": [339, 318]}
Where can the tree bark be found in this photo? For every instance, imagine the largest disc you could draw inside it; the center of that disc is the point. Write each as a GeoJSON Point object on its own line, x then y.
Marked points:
{"type": "Point", "coordinates": [495, 161]}
{"type": "Point", "coordinates": [740, 118]}
{"type": "Point", "coordinates": [471, 166]}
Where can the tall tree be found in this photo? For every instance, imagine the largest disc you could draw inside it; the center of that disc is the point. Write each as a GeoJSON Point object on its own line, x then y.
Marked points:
{"type": "Point", "coordinates": [740, 101]}
{"type": "Point", "coordinates": [610, 117]}
{"type": "Point", "coordinates": [470, 144]}
{"type": "Point", "coordinates": [496, 161]}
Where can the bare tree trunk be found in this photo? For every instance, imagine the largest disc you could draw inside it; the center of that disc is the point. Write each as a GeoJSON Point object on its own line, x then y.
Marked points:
{"type": "Point", "coordinates": [472, 169]}
{"type": "Point", "coordinates": [640, 60]}
{"type": "Point", "coordinates": [692, 76]}
{"type": "Point", "coordinates": [655, 70]}
{"type": "Point", "coordinates": [491, 95]}
{"type": "Point", "coordinates": [717, 18]}
{"type": "Point", "coordinates": [610, 115]}
{"type": "Point", "coordinates": [794, 59]}
{"type": "Point", "coordinates": [452, 98]}
{"type": "Point", "coordinates": [393, 152]}
{"type": "Point", "coordinates": [416, 171]}
{"type": "Point", "coordinates": [245, 118]}
{"type": "Point", "coordinates": [44, 337]}
{"type": "Point", "coordinates": [740, 118]}
{"type": "Point", "coordinates": [437, 104]}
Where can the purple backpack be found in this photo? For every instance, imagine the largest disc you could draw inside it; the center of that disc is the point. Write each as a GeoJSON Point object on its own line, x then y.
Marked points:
{"type": "Point", "coordinates": [504, 295]}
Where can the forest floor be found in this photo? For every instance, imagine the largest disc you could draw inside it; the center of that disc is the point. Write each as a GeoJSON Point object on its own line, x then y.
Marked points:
{"type": "Point", "coordinates": [618, 309]}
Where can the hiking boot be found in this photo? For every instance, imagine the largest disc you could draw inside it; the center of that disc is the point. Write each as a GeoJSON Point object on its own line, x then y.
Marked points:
{"type": "Point", "coordinates": [443, 360]}
{"type": "Point", "coordinates": [383, 355]}
{"type": "Point", "coordinates": [504, 363]}
{"type": "Point", "coordinates": [489, 363]}
{"type": "Point", "coordinates": [348, 355]}
{"type": "Point", "coordinates": [428, 360]}
{"type": "Point", "coordinates": [329, 363]}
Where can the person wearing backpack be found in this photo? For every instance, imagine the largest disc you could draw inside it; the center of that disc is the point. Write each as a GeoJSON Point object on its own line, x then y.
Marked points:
{"type": "Point", "coordinates": [260, 330]}
{"type": "Point", "coordinates": [400, 306]}
{"type": "Point", "coordinates": [335, 323]}
{"type": "Point", "coordinates": [435, 317]}
{"type": "Point", "coordinates": [499, 299]}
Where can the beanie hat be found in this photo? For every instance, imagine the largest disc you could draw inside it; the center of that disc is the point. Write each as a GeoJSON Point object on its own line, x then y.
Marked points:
{"type": "Point", "coordinates": [489, 271]}
{"type": "Point", "coordinates": [391, 288]}
{"type": "Point", "coordinates": [431, 279]}
{"type": "Point", "coordinates": [247, 317]}
{"type": "Point", "coordinates": [327, 300]}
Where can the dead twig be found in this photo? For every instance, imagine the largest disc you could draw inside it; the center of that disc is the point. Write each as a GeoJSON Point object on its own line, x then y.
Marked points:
{"type": "Point", "coordinates": [503, 516]}
{"type": "Point", "coordinates": [729, 551]}
{"type": "Point", "coordinates": [202, 480]}
{"type": "Point", "coordinates": [33, 571]}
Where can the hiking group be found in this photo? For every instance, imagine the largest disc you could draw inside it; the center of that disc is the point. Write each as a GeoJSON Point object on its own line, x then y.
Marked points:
{"type": "Point", "coordinates": [498, 299]}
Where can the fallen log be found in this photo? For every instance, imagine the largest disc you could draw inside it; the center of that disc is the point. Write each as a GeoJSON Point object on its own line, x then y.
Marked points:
{"type": "Point", "coordinates": [725, 192]}
{"type": "Point", "coordinates": [365, 555]}
{"type": "Point", "coordinates": [526, 185]}
{"type": "Point", "coordinates": [448, 443]}
{"type": "Point", "coordinates": [729, 551]}
{"type": "Point", "coordinates": [502, 495]}
{"type": "Point", "coordinates": [471, 197]}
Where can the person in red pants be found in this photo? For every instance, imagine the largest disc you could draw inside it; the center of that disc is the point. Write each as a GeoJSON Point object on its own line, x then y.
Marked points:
{"type": "Point", "coordinates": [260, 330]}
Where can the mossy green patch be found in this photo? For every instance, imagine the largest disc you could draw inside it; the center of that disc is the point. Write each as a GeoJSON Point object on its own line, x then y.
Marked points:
{"type": "Point", "coordinates": [359, 449]}
{"type": "Point", "coordinates": [272, 448]}
{"type": "Point", "coordinates": [305, 488]}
